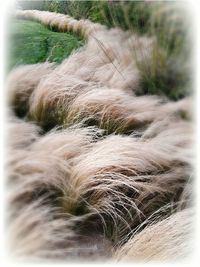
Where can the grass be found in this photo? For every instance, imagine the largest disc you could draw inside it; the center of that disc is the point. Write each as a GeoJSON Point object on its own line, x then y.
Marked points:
{"type": "Point", "coordinates": [31, 43]}
{"type": "Point", "coordinates": [172, 70]}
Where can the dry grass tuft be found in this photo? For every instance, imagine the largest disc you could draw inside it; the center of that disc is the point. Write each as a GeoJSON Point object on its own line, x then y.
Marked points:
{"type": "Point", "coordinates": [167, 240]}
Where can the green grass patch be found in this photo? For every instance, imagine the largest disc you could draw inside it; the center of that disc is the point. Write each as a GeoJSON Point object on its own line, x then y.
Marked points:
{"type": "Point", "coordinates": [30, 42]}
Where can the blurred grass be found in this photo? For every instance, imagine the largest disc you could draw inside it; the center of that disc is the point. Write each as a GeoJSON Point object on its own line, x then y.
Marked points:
{"type": "Point", "coordinates": [171, 71]}
{"type": "Point", "coordinates": [30, 42]}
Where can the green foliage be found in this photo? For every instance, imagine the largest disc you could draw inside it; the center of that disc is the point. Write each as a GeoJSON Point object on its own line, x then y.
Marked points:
{"type": "Point", "coordinates": [170, 73]}
{"type": "Point", "coordinates": [32, 42]}
{"type": "Point", "coordinates": [39, 5]}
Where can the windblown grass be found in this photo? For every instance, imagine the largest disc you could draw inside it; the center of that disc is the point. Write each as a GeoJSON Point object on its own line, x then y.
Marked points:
{"type": "Point", "coordinates": [117, 159]}
{"type": "Point", "coordinates": [168, 21]}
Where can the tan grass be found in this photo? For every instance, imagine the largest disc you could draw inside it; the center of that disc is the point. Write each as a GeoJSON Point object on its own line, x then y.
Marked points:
{"type": "Point", "coordinates": [167, 240]}
{"type": "Point", "coordinates": [21, 83]}
{"type": "Point", "coordinates": [79, 191]}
